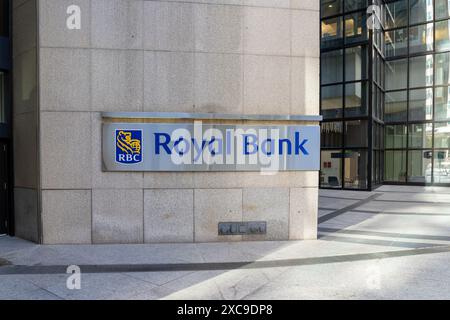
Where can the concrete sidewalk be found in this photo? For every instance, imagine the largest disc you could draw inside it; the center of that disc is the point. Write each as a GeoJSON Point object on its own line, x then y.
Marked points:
{"type": "Point", "coordinates": [393, 243]}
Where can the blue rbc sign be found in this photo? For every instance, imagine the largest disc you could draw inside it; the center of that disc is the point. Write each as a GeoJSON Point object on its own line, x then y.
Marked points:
{"type": "Point", "coordinates": [129, 146]}
{"type": "Point", "coordinates": [170, 147]}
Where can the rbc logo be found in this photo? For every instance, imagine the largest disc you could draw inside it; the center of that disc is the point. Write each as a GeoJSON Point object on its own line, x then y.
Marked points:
{"type": "Point", "coordinates": [129, 146]}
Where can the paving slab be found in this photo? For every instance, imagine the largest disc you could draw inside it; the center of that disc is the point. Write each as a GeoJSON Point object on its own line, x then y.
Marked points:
{"type": "Point", "coordinates": [383, 248]}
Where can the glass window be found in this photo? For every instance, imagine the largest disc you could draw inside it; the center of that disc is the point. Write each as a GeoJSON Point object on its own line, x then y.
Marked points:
{"type": "Point", "coordinates": [442, 135]}
{"type": "Point", "coordinates": [421, 38]}
{"type": "Point", "coordinates": [356, 133]}
{"type": "Point", "coordinates": [331, 7]}
{"type": "Point", "coordinates": [396, 14]}
{"type": "Point", "coordinates": [332, 32]}
{"type": "Point", "coordinates": [375, 136]}
{"type": "Point", "coordinates": [332, 66]}
{"type": "Point", "coordinates": [442, 73]}
{"type": "Point", "coordinates": [395, 106]}
{"type": "Point", "coordinates": [356, 99]}
{"type": "Point", "coordinates": [395, 166]}
{"type": "Point", "coordinates": [330, 169]}
{"type": "Point", "coordinates": [331, 134]}
{"type": "Point", "coordinates": [355, 63]}
{"type": "Point", "coordinates": [332, 102]}
{"type": "Point", "coordinates": [351, 5]}
{"type": "Point", "coordinates": [441, 171]}
{"type": "Point", "coordinates": [421, 11]}
{"type": "Point", "coordinates": [421, 135]}
{"type": "Point", "coordinates": [396, 42]}
{"type": "Point", "coordinates": [380, 106]}
{"type": "Point", "coordinates": [355, 173]}
{"type": "Point", "coordinates": [355, 27]}
{"type": "Point", "coordinates": [395, 136]}
{"type": "Point", "coordinates": [442, 9]}
{"type": "Point", "coordinates": [442, 103]}
{"type": "Point", "coordinates": [421, 104]}
{"type": "Point", "coordinates": [419, 166]}
{"type": "Point", "coordinates": [396, 74]}
{"type": "Point", "coordinates": [2, 98]}
{"type": "Point", "coordinates": [442, 36]}
{"type": "Point", "coordinates": [377, 167]}
{"type": "Point", "coordinates": [421, 71]}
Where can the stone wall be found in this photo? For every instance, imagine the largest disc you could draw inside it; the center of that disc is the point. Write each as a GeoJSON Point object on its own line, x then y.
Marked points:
{"type": "Point", "coordinates": [221, 56]}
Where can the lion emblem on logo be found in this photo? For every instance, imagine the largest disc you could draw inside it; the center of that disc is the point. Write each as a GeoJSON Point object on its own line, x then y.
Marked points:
{"type": "Point", "coordinates": [128, 146]}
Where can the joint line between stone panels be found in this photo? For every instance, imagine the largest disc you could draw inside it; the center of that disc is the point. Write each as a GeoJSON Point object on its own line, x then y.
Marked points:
{"type": "Point", "coordinates": [237, 5]}
{"type": "Point", "coordinates": [289, 213]}
{"type": "Point", "coordinates": [193, 215]}
{"type": "Point", "coordinates": [92, 217]}
{"type": "Point", "coordinates": [194, 70]}
{"type": "Point", "coordinates": [143, 215]}
{"type": "Point", "coordinates": [179, 51]}
{"type": "Point", "coordinates": [290, 63]}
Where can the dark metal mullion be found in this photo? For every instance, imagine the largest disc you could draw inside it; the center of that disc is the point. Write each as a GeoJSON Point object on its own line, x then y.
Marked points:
{"type": "Point", "coordinates": [10, 164]}
{"type": "Point", "coordinates": [348, 82]}
{"type": "Point", "coordinates": [343, 140]}
{"type": "Point", "coordinates": [407, 94]}
{"type": "Point", "coordinates": [433, 90]}
{"type": "Point", "coordinates": [370, 111]}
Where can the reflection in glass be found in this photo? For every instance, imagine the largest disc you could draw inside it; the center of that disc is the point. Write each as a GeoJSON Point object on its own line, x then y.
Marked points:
{"type": "Point", "coordinates": [421, 38]}
{"type": "Point", "coordinates": [395, 136]}
{"type": "Point", "coordinates": [442, 135]}
{"type": "Point", "coordinates": [442, 36]}
{"type": "Point", "coordinates": [442, 103]}
{"type": "Point", "coordinates": [330, 7]}
{"type": "Point", "coordinates": [396, 14]}
{"type": "Point", "coordinates": [396, 74]}
{"type": "Point", "coordinates": [442, 73]}
{"type": "Point", "coordinates": [396, 42]}
{"type": "Point", "coordinates": [395, 106]}
{"type": "Point", "coordinates": [332, 102]}
{"type": "Point", "coordinates": [331, 134]}
{"type": "Point", "coordinates": [377, 167]}
{"type": "Point", "coordinates": [421, 104]}
{"type": "Point", "coordinates": [330, 169]}
{"type": "Point", "coordinates": [355, 99]}
{"type": "Point", "coordinates": [442, 9]}
{"type": "Point", "coordinates": [419, 166]}
{"type": "Point", "coordinates": [421, 135]}
{"type": "Point", "coordinates": [355, 27]}
{"type": "Point", "coordinates": [421, 11]}
{"type": "Point", "coordinates": [355, 169]}
{"type": "Point", "coordinates": [441, 171]}
{"type": "Point", "coordinates": [351, 5]}
{"type": "Point", "coordinates": [356, 133]}
{"type": "Point", "coordinates": [355, 63]}
{"type": "Point", "coordinates": [395, 166]}
{"type": "Point", "coordinates": [331, 66]}
{"type": "Point", "coordinates": [331, 32]}
{"type": "Point", "coordinates": [421, 71]}
{"type": "Point", "coordinates": [376, 136]}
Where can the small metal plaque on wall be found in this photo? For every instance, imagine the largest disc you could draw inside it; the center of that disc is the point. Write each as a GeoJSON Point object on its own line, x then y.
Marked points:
{"type": "Point", "coordinates": [242, 228]}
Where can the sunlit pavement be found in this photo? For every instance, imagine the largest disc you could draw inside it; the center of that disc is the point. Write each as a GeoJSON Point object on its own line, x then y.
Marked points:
{"type": "Point", "coordinates": [393, 243]}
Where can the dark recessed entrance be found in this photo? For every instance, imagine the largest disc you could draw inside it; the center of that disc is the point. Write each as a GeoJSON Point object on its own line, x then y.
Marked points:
{"type": "Point", "coordinates": [6, 223]}
{"type": "Point", "coordinates": [4, 195]}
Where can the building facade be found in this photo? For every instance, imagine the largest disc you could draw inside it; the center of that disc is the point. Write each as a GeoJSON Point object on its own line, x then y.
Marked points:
{"type": "Point", "coordinates": [79, 65]}
{"type": "Point", "coordinates": [385, 106]}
